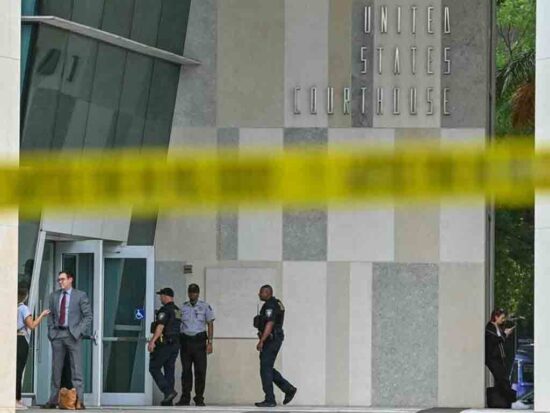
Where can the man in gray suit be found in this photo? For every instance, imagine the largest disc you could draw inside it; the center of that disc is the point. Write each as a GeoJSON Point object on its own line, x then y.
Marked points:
{"type": "Point", "coordinates": [70, 318]}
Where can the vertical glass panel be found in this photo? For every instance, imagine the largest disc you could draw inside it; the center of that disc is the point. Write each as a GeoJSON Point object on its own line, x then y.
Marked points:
{"type": "Point", "coordinates": [117, 17]}
{"type": "Point", "coordinates": [88, 12]}
{"type": "Point", "coordinates": [59, 8]}
{"type": "Point", "coordinates": [142, 231]}
{"type": "Point", "coordinates": [76, 88]}
{"type": "Point", "coordinates": [124, 325]}
{"type": "Point", "coordinates": [146, 20]}
{"type": "Point", "coordinates": [173, 25]}
{"type": "Point", "coordinates": [46, 285]}
{"type": "Point", "coordinates": [133, 101]}
{"type": "Point", "coordinates": [43, 91]}
{"type": "Point", "coordinates": [106, 89]}
{"type": "Point", "coordinates": [28, 236]}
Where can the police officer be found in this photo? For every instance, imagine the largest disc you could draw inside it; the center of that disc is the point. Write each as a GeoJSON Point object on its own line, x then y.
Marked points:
{"type": "Point", "coordinates": [270, 331]}
{"type": "Point", "coordinates": [196, 343]}
{"type": "Point", "coordinates": [164, 345]}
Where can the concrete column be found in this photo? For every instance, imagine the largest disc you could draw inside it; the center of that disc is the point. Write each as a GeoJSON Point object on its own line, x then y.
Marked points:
{"type": "Point", "coordinates": [10, 45]}
{"type": "Point", "coordinates": [542, 217]}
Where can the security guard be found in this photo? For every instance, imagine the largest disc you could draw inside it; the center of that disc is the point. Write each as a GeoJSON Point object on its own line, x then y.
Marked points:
{"type": "Point", "coordinates": [164, 345]}
{"type": "Point", "coordinates": [196, 343]}
{"type": "Point", "coordinates": [270, 331]}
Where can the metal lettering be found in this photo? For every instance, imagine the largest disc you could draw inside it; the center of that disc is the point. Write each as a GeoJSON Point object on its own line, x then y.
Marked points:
{"type": "Point", "coordinates": [380, 50]}
{"type": "Point", "coordinates": [447, 61]}
{"type": "Point", "coordinates": [447, 21]}
{"type": "Point", "coordinates": [396, 101]}
{"type": "Point", "coordinates": [430, 19]}
{"type": "Point", "coordinates": [330, 100]}
{"type": "Point", "coordinates": [383, 19]}
{"type": "Point", "coordinates": [412, 101]}
{"type": "Point", "coordinates": [313, 101]}
{"type": "Point", "coordinates": [396, 62]}
{"type": "Point", "coordinates": [364, 60]}
{"type": "Point", "coordinates": [446, 101]}
{"type": "Point", "coordinates": [363, 100]}
{"type": "Point", "coordinates": [429, 101]}
{"type": "Point", "coordinates": [413, 14]}
{"type": "Point", "coordinates": [347, 101]}
{"type": "Point", "coordinates": [296, 105]}
{"type": "Point", "coordinates": [399, 19]}
{"type": "Point", "coordinates": [367, 19]}
{"type": "Point", "coordinates": [429, 61]}
{"type": "Point", "coordinates": [413, 60]}
{"type": "Point", "coordinates": [379, 101]}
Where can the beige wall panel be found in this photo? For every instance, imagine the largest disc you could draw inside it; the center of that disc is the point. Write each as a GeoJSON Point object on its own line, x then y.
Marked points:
{"type": "Point", "coordinates": [233, 293]}
{"type": "Point", "coordinates": [306, 60]}
{"type": "Point", "coordinates": [461, 340]}
{"type": "Point", "coordinates": [338, 334]}
{"type": "Point", "coordinates": [339, 47]}
{"type": "Point", "coordinates": [417, 234]}
{"type": "Point", "coordinates": [250, 63]}
{"type": "Point", "coordinates": [183, 238]}
{"type": "Point", "coordinates": [233, 375]}
{"type": "Point", "coordinates": [360, 330]}
{"type": "Point", "coordinates": [304, 349]}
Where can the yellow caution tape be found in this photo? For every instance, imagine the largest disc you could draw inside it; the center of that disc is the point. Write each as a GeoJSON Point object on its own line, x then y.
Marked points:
{"type": "Point", "coordinates": [192, 180]}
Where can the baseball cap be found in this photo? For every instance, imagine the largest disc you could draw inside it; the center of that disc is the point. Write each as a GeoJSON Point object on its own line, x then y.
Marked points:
{"type": "Point", "coordinates": [166, 291]}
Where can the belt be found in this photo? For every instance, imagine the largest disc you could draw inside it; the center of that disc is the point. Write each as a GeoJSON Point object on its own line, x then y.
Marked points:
{"type": "Point", "coordinates": [62, 328]}
{"type": "Point", "coordinates": [197, 337]}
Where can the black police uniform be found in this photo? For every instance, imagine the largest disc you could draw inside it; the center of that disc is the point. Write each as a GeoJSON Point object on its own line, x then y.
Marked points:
{"type": "Point", "coordinates": [167, 348]}
{"type": "Point", "coordinates": [272, 310]}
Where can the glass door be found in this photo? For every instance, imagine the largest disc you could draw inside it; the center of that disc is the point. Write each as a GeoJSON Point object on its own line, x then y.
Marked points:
{"type": "Point", "coordinates": [85, 260]}
{"type": "Point", "coordinates": [127, 313]}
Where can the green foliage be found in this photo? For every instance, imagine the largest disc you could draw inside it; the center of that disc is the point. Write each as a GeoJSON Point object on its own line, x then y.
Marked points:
{"type": "Point", "coordinates": [514, 229]}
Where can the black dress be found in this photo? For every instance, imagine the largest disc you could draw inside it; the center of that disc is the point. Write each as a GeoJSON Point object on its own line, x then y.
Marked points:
{"type": "Point", "coordinates": [495, 360]}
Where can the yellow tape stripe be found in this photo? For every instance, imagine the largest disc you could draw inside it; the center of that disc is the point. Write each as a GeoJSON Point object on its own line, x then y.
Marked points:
{"type": "Point", "coordinates": [192, 180]}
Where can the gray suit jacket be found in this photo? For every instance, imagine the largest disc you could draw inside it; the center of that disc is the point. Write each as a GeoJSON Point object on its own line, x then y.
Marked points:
{"type": "Point", "coordinates": [80, 314]}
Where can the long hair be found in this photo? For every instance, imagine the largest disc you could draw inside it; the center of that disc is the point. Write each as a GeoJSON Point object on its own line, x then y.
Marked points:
{"type": "Point", "coordinates": [497, 313]}
{"type": "Point", "coordinates": [22, 294]}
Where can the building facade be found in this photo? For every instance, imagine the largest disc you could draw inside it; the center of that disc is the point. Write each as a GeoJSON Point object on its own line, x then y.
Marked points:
{"type": "Point", "coordinates": [386, 304]}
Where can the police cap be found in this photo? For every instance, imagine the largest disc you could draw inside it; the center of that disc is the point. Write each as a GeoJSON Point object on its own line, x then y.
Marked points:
{"type": "Point", "coordinates": [166, 291]}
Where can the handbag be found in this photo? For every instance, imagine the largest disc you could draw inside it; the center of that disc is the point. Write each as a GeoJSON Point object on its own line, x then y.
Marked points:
{"type": "Point", "coordinates": [67, 399]}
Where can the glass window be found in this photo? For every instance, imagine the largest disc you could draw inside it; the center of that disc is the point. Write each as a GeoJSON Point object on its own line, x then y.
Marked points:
{"type": "Point", "coordinates": [124, 325]}
{"type": "Point", "coordinates": [527, 371]}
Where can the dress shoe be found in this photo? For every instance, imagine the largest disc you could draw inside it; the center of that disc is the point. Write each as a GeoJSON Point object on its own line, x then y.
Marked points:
{"type": "Point", "coordinates": [182, 402]}
{"type": "Point", "coordinates": [265, 403]}
{"type": "Point", "coordinates": [80, 406]}
{"type": "Point", "coordinates": [290, 395]}
{"type": "Point", "coordinates": [167, 401]}
{"type": "Point", "coordinates": [49, 406]}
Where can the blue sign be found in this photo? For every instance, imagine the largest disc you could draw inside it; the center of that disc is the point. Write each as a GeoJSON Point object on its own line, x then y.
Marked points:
{"type": "Point", "coordinates": [139, 313]}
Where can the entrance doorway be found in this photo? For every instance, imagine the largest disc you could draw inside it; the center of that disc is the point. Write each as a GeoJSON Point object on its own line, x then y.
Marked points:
{"type": "Point", "coordinates": [119, 281]}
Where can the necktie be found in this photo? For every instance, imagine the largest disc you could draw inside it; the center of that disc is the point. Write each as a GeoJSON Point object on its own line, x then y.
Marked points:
{"type": "Point", "coordinates": [62, 309]}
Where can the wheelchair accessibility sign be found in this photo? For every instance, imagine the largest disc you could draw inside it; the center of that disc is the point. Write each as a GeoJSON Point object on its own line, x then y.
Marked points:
{"type": "Point", "coordinates": [139, 313]}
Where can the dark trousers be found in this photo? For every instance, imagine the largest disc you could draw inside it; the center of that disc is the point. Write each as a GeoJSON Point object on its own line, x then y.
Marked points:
{"type": "Point", "coordinates": [162, 366]}
{"type": "Point", "coordinates": [193, 360]}
{"type": "Point", "coordinates": [502, 383]}
{"type": "Point", "coordinates": [268, 373]}
{"type": "Point", "coordinates": [22, 354]}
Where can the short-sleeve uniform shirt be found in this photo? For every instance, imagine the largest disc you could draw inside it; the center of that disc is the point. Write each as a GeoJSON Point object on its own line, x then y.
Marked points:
{"type": "Point", "coordinates": [196, 317]}
{"type": "Point", "coordinates": [169, 316]}
{"type": "Point", "coordinates": [273, 310]}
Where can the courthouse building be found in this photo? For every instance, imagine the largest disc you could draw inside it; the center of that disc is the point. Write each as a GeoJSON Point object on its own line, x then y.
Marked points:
{"type": "Point", "coordinates": [386, 304]}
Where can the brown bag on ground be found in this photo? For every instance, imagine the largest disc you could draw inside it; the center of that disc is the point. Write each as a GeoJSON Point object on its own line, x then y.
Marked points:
{"type": "Point", "coordinates": [67, 399]}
